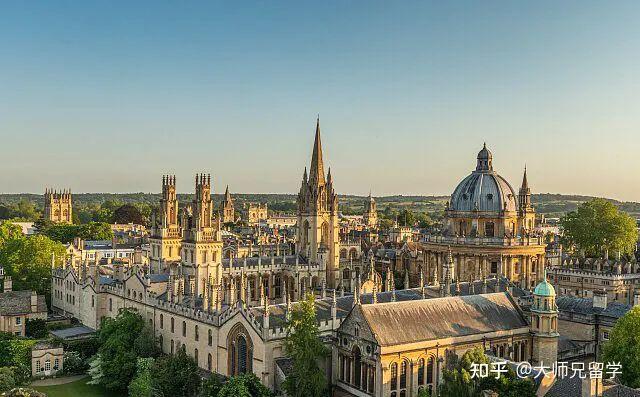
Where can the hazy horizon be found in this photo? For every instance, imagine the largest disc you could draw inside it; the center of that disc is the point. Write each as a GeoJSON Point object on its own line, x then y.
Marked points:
{"type": "Point", "coordinates": [107, 97]}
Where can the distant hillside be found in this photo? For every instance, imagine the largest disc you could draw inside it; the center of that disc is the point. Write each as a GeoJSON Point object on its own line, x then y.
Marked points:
{"type": "Point", "coordinates": [552, 205]}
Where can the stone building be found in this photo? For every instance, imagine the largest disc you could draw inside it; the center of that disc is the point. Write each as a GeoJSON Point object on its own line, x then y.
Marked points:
{"type": "Point", "coordinates": [57, 206]}
{"type": "Point", "coordinates": [47, 359]}
{"type": "Point", "coordinates": [227, 210]}
{"type": "Point", "coordinates": [318, 233]}
{"type": "Point", "coordinates": [256, 213]}
{"type": "Point", "coordinates": [489, 228]}
{"type": "Point", "coordinates": [370, 216]}
{"type": "Point", "coordinates": [16, 307]}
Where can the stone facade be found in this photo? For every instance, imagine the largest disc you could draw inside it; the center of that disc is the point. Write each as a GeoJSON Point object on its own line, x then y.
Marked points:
{"type": "Point", "coordinates": [57, 206]}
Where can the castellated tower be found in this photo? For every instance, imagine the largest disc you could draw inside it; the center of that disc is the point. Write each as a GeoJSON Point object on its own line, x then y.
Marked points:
{"type": "Point", "coordinates": [57, 206]}
{"type": "Point", "coordinates": [227, 209]}
{"type": "Point", "coordinates": [370, 215]}
{"type": "Point", "coordinates": [201, 244]}
{"type": "Point", "coordinates": [544, 323]}
{"type": "Point", "coordinates": [166, 234]}
{"type": "Point", "coordinates": [318, 238]}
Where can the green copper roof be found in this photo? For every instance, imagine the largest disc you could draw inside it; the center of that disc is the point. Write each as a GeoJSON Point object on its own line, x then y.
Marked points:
{"type": "Point", "coordinates": [544, 289]}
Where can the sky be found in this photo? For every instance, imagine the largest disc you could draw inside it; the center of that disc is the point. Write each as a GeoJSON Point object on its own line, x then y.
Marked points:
{"type": "Point", "coordinates": [106, 96]}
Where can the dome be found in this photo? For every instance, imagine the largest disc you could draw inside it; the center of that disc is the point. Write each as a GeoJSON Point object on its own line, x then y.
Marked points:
{"type": "Point", "coordinates": [544, 289]}
{"type": "Point", "coordinates": [484, 190]}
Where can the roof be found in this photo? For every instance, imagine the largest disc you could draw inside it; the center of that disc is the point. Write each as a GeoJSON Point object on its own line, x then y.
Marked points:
{"type": "Point", "coordinates": [73, 332]}
{"type": "Point", "coordinates": [13, 303]}
{"type": "Point", "coordinates": [158, 278]}
{"type": "Point", "coordinates": [544, 289]}
{"type": "Point", "coordinates": [397, 323]}
{"type": "Point", "coordinates": [485, 191]}
{"type": "Point", "coordinates": [574, 304]}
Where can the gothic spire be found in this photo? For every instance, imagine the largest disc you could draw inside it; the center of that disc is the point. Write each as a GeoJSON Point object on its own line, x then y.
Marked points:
{"type": "Point", "coordinates": [525, 182]}
{"type": "Point", "coordinates": [316, 172]}
{"type": "Point", "coordinates": [227, 195]}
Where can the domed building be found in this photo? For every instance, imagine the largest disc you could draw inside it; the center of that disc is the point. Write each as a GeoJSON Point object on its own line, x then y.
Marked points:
{"type": "Point", "coordinates": [489, 229]}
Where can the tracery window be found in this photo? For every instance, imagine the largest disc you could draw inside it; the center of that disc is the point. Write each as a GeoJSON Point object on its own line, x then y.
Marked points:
{"type": "Point", "coordinates": [240, 350]}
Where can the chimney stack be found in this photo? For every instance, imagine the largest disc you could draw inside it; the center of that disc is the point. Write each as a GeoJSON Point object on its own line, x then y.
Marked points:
{"type": "Point", "coordinates": [600, 299]}
{"type": "Point", "coordinates": [8, 284]}
{"type": "Point", "coordinates": [34, 301]}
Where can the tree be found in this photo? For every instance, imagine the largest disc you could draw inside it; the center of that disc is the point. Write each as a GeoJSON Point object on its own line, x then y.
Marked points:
{"type": "Point", "coordinates": [304, 346]}
{"type": "Point", "coordinates": [406, 218]}
{"type": "Point", "coordinates": [120, 347]}
{"type": "Point", "coordinates": [95, 371]}
{"type": "Point", "coordinates": [624, 347]}
{"type": "Point", "coordinates": [7, 379]}
{"type": "Point", "coordinates": [28, 261]}
{"type": "Point", "coordinates": [36, 328]}
{"type": "Point", "coordinates": [176, 375]}
{"type": "Point", "coordinates": [128, 214]}
{"type": "Point", "coordinates": [598, 226]}
{"type": "Point", "coordinates": [245, 385]}
{"type": "Point", "coordinates": [458, 382]}
{"type": "Point", "coordinates": [8, 232]}
{"type": "Point", "coordinates": [211, 387]}
{"type": "Point", "coordinates": [73, 363]}
{"type": "Point", "coordinates": [142, 384]}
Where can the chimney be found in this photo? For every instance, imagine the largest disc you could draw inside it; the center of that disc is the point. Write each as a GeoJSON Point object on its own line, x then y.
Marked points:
{"type": "Point", "coordinates": [8, 284]}
{"type": "Point", "coordinates": [591, 387]}
{"type": "Point", "coordinates": [34, 301]}
{"type": "Point", "coordinates": [636, 298]}
{"type": "Point", "coordinates": [600, 299]}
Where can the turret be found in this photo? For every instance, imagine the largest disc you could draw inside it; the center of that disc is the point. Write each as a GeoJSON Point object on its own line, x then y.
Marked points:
{"type": "Point", "coordinates": [544, 323]}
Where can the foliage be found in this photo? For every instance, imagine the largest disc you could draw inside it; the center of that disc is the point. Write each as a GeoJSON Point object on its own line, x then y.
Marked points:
{"type": "Point", "coordinates": [141, 385]}
{"type": "Point", "coordinates": [9, 232]}
{"type": "Point", "coordinates": [23, 392]}
{"type": "Point", "coordinates": [36, 328]}
{"type": "Point", "coordinates": [73, 363]}
{"type": "Point", "coordinates": [95, 371]}
{"type": "Point", "coordinates": [128, 213]}
{"type": "Point", "coordinates": [120, 347]}
{"type": "Point", "coordinates": [457, 380]}
{"type": "Point", "coordinates": [7, 379]}
{"type": "Point", "coordinates": [406, 218]}
{"type": "Point", "coordinates": [65, 233]}
{"type": "Point", "coordinates": [624, 347]}
{"type": "Point", "coordinates": [245, 385]}
{"type": "Point", "coordinates": [15, 352]}
{"type": "Point", "coordinates": [424, 392]}
{"type": "Point", "coordinates": [176, 375]}
{"type": "Point", "coordinates": [24, 210]}
{"type": "Point", "coordinates": [27, 259]}
{"type": "Point", "coordinates": [598, 225]}
{"type": "Point", "coordinates": [304, 346]}
{"type": "Point", "coordinates": [211, 387]}
{"type": "Point", "coordinates": [86, 348]}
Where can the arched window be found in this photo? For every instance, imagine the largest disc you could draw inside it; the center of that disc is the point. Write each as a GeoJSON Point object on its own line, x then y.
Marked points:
{"type": "Point", "coordinates": [172, 346]}
{"type": "Point", "coordinates": [209, 362]}
{"type": "Point", "coordinates": [184, 328]}
{"type": "Point", "coordinates": [210, 338]}
{"type": "Point", "coordinates": [394, 376]}
{"type": "Point", "coordinates": [421, 372]}
{"type": "Point", "coordinates": [196, 334]}
{"type": "Point", "coordinates": [346, 273]}
{"type": "Point", "coordinates": [195, 355]}
{"type": "Point", "coordinates": [357, 367]}
{"type": "Point", "coordinates": [240, 349]}
{"type": "Point", "coordinates": [430, 366]}
{"type": "Point", "coordinates": [110, 304]}
{"type": "Point", "coordinates": [161, 321]}
{"type": "Point", "coordinates": [403, 375]}
{"type": "Point", "coordinates": [172, 325]}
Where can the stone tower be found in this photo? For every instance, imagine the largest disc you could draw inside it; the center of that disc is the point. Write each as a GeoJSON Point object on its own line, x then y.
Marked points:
{"type": "Point", "coordinates": [57, 206]}
{"type": "Point", "coordinates": [227, 209]}
{"type": "Point", "coordinates": [544, 324]}
{"type": "Point", "coordinates": [166, 234]}
{"type": "Point", "coordinates": [371, 213]}
{"type": "Point", "coordinates": [318, 238]}
{"type": "Point", "coordinates": [526, 213]}
{"type": "Point", "coordinates": [201, 244]}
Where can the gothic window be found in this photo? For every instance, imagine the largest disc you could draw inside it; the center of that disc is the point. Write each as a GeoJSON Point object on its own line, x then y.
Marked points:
{"type": "Point", "coordinates": [421, 371]}
{"type": "Point", "coordinates": [195, 355]}
{"type": "Point", "coordinates": [430, 366]}
{"type": "Point", "coordinates": [240, 350]}
{"type": "Point", "coordinates": [196, 334]}
{"type": "Point", "coordinates": [110, 304]}
{"type": "Point", "coordinates": [357, 367]}
{"type": "Point", "coordinates": [346, 273]}
{"type": "Point", "coordinates": [161, 321]}
{"type": "Point", "coordinates": [209, 362]}
{"type": "Point", "coordinates": [324, 237]}
{"type": "Point", "coordinates": [210, 338]}
{"type": "Point", "coordinates": [172, 325]}
{"type": "Point", "coordinates": [343, 253]}
{"type": "Point", "coordinates": [184, 328]}
{"type": "Point", "coordinates": [394, 376]}
{"type": "Point", "coordinates": [403, 375]}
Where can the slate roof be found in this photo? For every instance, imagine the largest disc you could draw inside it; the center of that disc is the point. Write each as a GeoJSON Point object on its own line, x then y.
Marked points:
{"type": "Point", "coordinates": [265, 260]}
{"type": "Point", "coordinates": [73, 332]}
{"type": "Point", "coordinates": [574, 304]}
{"type": "Point", "coordinates": [398, 323]}
{"type": "Point", "coordinates": [158, 278]}
{"type": "Point", "coordinates": [13, 303]}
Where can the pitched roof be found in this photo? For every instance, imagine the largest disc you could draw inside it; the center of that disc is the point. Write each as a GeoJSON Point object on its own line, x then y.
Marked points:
{"type": "Point", "coordinates": [398, 323]}
{"type": "Point", "coordinates": [19, 302]}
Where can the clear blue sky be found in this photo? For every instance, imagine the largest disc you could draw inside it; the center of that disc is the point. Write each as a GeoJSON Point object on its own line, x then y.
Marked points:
{"type": "Point", "coordinates": [108, 96]}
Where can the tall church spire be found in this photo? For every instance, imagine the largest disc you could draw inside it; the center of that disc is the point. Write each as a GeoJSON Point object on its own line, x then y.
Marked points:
{"type": "Point", "coordinates": [525, 182]}
{"type": "Point", "coordinates": [316, 172]}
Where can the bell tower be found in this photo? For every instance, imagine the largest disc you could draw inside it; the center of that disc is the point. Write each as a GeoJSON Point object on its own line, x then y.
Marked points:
{"type": "Point", "coordinates": [318, 237]}
{"type": "Point", "coordinates": [166, 234]}
{"type": "Point", "coordinates": [544, 323]}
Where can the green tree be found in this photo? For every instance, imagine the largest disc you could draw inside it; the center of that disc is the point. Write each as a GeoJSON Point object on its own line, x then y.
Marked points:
{"type": "Point", "coordinates": [36, 328]}
{"type": "Point", "coordinates": [128, 213]}
{"type": "Point", "coordinates": [177, 375]}
{"type": "Point", "coordinates": [142, 384]}
{"type": "Point", "coordinates": [73, 363]}
{"type": "Point", "coordinates": [9, 232]}
{"type": "Point", "coordinates": [406, 218]}
{"type": "Point", "coordinates": [28, 261]}
{"type": "Point", "coordinates": [120, 348]}
{"type": "Point", "coordinates": [7, 379]}
{"type": "Point", "coordinates": [624, 347]}
{"type": "Point", "coordinates": [211, 387]}
{"type": "Point", "coordinates": [95, 371]}
{"type": "Point", "coordinates": [598, 225]}
{"type": "Point", "coordinates": [304, 346]}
